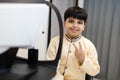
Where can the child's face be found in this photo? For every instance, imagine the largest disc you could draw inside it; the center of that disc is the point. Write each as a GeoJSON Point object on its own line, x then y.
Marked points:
{"type": "Point", "coordinates": [74, 27]}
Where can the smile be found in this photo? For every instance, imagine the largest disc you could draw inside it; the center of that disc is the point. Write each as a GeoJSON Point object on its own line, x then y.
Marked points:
{"type": "Point", "coordinates": [74, 30]}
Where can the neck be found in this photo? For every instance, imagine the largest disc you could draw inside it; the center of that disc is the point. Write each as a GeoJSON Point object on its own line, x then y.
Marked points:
{"type": "Point", "coordinates": [72, 38]}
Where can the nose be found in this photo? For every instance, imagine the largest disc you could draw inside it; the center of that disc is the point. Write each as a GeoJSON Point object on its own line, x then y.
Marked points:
{"type": "Point", "coordinates": [75, 24]}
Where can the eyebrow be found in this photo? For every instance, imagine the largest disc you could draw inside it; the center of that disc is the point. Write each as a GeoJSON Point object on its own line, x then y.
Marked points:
{"type": "Point", "coordinates": [75, 18]}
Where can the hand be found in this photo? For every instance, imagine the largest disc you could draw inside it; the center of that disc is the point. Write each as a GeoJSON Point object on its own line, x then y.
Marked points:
{"type": "Point", "coordinates": [79, 53]}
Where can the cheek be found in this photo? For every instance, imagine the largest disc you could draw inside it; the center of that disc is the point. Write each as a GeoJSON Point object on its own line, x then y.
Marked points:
{"type": "Point", "coordinates": [82, 28]}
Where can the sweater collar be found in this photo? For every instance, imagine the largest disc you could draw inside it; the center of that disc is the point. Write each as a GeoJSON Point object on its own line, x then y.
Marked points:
{"type": "Point", "coordinates": [72, 40]}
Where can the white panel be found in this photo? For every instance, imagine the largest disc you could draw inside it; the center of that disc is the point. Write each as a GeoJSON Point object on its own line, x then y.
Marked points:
{"type": "Point", "coordinates": [21, 25]}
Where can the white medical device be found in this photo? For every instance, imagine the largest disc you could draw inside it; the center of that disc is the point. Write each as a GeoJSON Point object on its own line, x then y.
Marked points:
{"type": "Point", "coordinates": [25, 26]}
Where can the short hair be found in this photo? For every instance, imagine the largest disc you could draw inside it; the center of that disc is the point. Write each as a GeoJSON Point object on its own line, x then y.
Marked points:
{"type": "Point", "coordinates": [76, 12]}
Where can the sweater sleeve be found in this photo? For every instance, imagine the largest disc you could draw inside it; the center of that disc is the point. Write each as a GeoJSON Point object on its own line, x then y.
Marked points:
{"type": "Point", "coordinates": [51, 51]}
{"type": "Point", "coordinates": [91, 65]}
{"type": "Point", "coordinates": [51, 55]}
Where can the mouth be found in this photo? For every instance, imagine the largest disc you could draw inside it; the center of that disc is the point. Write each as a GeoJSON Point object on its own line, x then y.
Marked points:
{"type": "Point", "coordinates": [74, 30]}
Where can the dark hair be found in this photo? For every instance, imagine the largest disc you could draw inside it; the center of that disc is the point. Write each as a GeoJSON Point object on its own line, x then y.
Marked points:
{"type": "Point", "coordinates": [76, 12]}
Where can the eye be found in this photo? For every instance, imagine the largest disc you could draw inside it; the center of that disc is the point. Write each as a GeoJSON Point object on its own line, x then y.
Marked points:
{"type": "Point", "coordinates": [79, 22]}
{"type": "Point", "coordinates": [70, 21]}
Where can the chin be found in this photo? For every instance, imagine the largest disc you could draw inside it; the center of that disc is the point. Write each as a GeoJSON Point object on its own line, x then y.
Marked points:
{"type": "Point", "coordinates": [74, 36]}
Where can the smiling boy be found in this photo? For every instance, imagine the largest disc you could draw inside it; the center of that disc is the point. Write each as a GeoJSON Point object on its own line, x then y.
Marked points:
{"type": "Point", "coordinates": [79, 56]}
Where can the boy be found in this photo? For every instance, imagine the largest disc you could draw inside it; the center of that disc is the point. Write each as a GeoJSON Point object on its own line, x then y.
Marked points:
{"type": "Point", "coordinates": [79, 55]}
